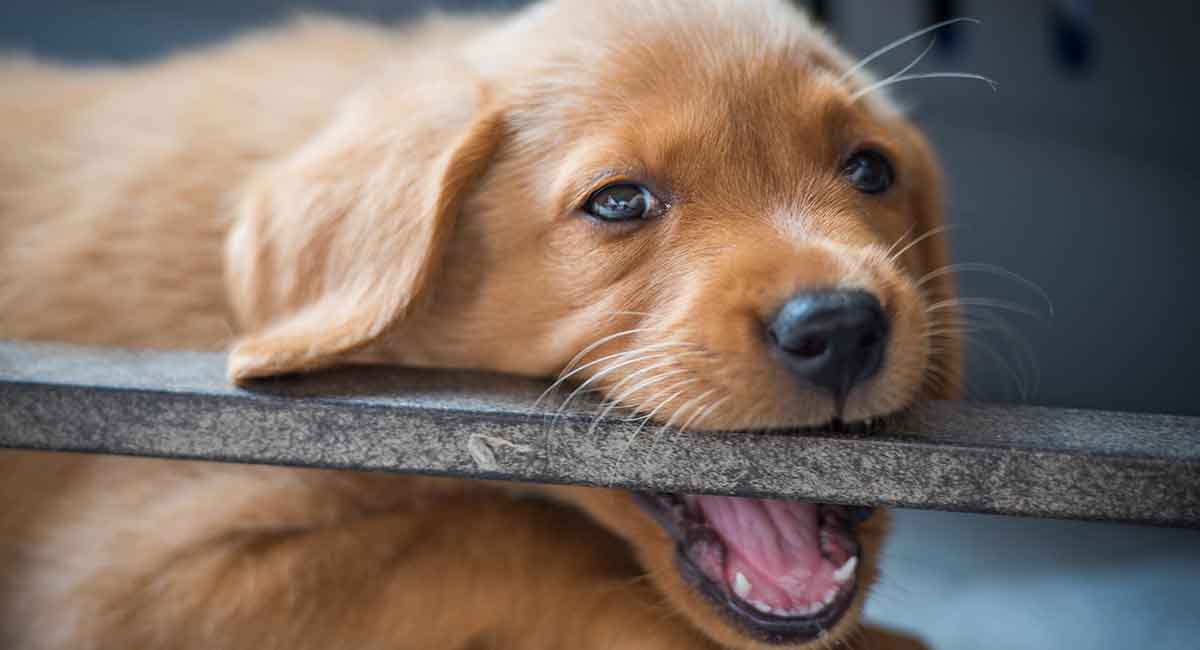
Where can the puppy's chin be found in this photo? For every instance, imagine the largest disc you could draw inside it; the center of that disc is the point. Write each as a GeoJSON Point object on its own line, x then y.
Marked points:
{"type": "Point", "coordinates": [750, 573]}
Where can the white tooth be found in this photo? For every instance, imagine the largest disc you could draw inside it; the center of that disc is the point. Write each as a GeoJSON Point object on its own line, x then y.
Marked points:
{"type": "Point", "coordinates": [762, 607]}
{"type": "Point", "coordinates": [829, 596]}
{"type": "Point", "coordinates": [741, 586]}
{"type": "Point", "coordinates": [845, 572]}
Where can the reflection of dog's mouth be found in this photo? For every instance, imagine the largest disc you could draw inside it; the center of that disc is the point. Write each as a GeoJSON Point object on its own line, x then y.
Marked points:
{"type": "Point", "coordinates": [781, 571]}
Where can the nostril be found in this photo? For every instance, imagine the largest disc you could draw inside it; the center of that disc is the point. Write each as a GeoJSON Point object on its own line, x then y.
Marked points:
{"type": "Point", "coordinates": [869, 340]}
{"type": "Point", "coordinates": [809, 347]}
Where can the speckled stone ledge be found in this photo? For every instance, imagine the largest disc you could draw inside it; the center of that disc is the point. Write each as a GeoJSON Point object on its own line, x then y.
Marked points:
{"type": "Point", "coordinates": [1016, 460]}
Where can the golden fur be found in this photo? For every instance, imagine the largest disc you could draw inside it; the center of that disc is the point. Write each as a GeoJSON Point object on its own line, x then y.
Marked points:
{"type": "Point", "coordinates": [329, 193]}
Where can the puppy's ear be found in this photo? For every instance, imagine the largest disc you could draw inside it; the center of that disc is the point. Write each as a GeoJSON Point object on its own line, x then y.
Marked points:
{"type": "Point", "coordinates": [334, 244]}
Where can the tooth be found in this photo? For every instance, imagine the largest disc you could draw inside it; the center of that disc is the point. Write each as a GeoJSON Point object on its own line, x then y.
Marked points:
{"type": "Point", "coordinates": [845, 572]}
{"type": "Point", "coordinates": [741, 586]}
{"type": "Point", "coordinates": [829, 596]}
{"type": "Point", "coordinates": [762, 607]}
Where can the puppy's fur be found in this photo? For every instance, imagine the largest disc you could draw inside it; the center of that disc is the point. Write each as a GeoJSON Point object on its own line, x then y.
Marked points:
{"type": "Point", "coordinates": [331, 193]}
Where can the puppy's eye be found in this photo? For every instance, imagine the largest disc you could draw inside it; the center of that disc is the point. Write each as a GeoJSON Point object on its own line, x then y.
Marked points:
{"type": "Point", "coordinates": [869, 171]}
{"type": "Point", "coordinates": [621, 202]}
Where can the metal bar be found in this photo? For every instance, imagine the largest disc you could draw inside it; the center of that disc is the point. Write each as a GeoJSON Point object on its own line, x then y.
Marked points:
{"type": "Point", "coordinates": [1018, 460]}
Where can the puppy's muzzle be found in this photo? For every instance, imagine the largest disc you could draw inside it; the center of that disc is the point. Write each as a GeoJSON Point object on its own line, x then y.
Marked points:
{"type": "Point", "coordinates": [832, 339]}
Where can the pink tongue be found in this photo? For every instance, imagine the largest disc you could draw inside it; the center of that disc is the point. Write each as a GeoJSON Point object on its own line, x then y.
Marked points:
{"type": "Point", "coordinates": [773, 553]}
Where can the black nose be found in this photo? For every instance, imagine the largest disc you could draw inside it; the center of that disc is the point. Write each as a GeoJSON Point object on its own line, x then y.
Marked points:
{"type": "Point", "coordinates": [833, 339]}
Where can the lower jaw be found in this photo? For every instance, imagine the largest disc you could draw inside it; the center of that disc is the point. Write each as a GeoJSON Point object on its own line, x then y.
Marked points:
{"type": "Point", "coordinates": [759, 626]}
{"type": "Point", "coordinates": [741, 616]}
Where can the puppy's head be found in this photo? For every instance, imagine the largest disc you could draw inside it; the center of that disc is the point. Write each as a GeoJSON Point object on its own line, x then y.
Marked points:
{"type": "Point", "coordinates": [684, 204]}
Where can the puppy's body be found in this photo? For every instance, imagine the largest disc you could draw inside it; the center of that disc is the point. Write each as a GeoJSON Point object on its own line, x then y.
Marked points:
{"type": "Point", "coordinates": [206, 201]}
{"type": "Point", "coordinates": [118, 185]}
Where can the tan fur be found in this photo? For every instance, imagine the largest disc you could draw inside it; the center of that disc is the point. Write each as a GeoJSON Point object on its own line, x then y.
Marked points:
{"type": "Point", "coordinates": [328, 193]}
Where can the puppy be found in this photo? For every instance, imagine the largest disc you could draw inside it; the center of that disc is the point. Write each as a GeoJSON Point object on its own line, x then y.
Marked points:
{"type": "Point", "coordinates": [692, 205]}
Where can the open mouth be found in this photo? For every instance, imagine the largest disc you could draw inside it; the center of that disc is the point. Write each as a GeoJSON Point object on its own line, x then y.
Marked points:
{"type": "Point", "coordinates": [781, 571]}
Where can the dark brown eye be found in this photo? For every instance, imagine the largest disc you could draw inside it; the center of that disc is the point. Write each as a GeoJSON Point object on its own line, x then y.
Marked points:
{"type": "Point", "coordinates": [869, 171]}
{"type": "Point", "coordinates": [620, 202]}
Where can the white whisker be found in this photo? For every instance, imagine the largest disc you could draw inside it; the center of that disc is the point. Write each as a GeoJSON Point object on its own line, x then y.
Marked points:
{"type": "Point", "coordinates": [866, 60]}
{"type": "Point", "coordinates": [1021, 384]}
{"type": "Point", "coordinates": [985, 302]}
{"type": "Point", "coordinates": [690, 404]}
{"type": "Point", "coordinates": [925, 75]}
{"type": "Point", "coordinates": [969, 267]}
{"type": "Point", "coordinates": [700, 415]}
{"type": "Point", "coordinates": [1023, 351]}
{"type": "Point", "coordinates": [653, 399]}
{"type": "Point", "coordinates": [887, 255]}
{"type": "Point", "coordinates": [915, 62]}
{"type": "Point", "coordinates": [932, 232]}
{"type": "Point", "coordinates": [582, 353]}
{"type": "Point", "coordinates": [649, 416]}
{"type": "Point", "coordinates": [618, 400]}
{"type": "Point", "coordinates": [637, 373]}
{"type": "Point", "coordinates": [567, 375]}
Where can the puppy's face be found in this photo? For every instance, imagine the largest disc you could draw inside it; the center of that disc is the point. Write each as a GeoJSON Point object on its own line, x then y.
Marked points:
{"type": "Point", "coordinates": [691, 212]}
{"type": "Point", "coordinates": [740, 237]}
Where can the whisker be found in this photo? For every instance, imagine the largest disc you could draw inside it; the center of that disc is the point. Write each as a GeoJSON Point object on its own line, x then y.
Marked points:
{"type": "Point", "coordinates": [637, 373]}
{"type": "Point", "coordinates": [1021, 385]}
{"type": "Point", "coordinates": [645, 421]}
{"type": "Point", "coordinates": [932, 232]}
{"type": "Point", "coordinates": [700, 415]}
{"type": "Point", "coordinates": [582, 353]}
{"type": "Point", "coordinates": [602, 373]}
{"type": "Point", "coordinates": [624, 312]}
{"type": "Point", "coordinates": [1026, 358]}
{"type": "Point", "coordinates": [620, 399]}
{"type": "Point", "coordinates": [977, 267]}
{"type": "Point", "coordinates": [866, 60]}
{"type": "Point", "coordinates": [1024, 369]}
{"type": "Point", "coordinates": [654, 399]}
{"type": "Point", "coordinates": [990, 303]}
{"type": "Point", "coordinates": [888, 253]}
{"type": "Point", "coordinates": [1017, 374]}
{"type": "Point", "coordinates": [690, 404]}
{"type": "Point", "coordinates": [567, 375]}
{"type": "Point", "coordinates": [915, 62]}
{"type": "Point", "coordinates": [925, 75]}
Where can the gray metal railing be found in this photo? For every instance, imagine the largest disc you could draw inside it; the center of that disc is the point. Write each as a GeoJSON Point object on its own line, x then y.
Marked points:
{"type": "Point", "coordinates": [1018, 460]}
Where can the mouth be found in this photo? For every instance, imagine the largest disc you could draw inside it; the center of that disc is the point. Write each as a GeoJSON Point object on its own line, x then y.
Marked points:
{"type": "Point", "coordinates": [783, 572]}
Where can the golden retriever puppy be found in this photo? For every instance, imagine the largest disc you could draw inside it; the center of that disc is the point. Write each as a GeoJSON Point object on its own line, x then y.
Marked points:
{"type": "Point", "coordinates": [694, 205]}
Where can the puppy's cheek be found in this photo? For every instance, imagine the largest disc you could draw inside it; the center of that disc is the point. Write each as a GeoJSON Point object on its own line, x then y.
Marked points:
{"type": "Point", "coordinates": [906, 365]}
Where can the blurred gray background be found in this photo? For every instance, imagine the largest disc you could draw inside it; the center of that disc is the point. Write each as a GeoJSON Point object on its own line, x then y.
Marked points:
{"type": "Point", "coordinates": [1079, 174]}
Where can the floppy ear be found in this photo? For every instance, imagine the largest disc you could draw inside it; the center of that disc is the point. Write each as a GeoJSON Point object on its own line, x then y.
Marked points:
{"type": "Point", "coordinates": [339, 241]}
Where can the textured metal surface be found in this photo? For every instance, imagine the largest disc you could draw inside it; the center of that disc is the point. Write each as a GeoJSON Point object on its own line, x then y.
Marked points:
{"type": "Point", "coordinates": [997, 459]}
